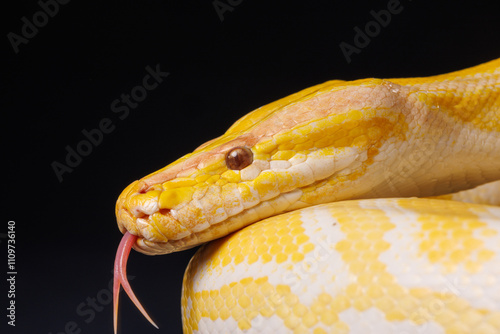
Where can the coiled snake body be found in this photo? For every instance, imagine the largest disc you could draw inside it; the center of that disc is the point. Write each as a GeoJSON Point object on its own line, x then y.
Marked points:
{"type": "Point", "coordinates": [357, 251]}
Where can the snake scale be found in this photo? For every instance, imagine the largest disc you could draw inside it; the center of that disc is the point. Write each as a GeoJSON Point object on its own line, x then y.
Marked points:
{"type": "Point", "coordinates": [344, 206]}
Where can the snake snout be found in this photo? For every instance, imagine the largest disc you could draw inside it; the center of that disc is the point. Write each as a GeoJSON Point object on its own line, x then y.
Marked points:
{"type": "Point", "coordinates": [138, 211]}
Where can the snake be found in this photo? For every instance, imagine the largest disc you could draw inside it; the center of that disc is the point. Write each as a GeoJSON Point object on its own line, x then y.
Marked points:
{"type": "Point", "coordinates": [364, 206]}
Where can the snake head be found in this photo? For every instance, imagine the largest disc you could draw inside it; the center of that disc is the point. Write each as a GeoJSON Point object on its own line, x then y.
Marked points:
{"type": "Point", "coordinates": [180, 206]}
{"type": "Point", "coordinates": [302, 150]}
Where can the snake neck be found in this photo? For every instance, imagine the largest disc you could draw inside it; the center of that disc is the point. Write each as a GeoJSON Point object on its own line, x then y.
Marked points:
{"type": "Point", "coordinates": [470, 97]}
{"type": "Point", "coordinates": [444, 139]}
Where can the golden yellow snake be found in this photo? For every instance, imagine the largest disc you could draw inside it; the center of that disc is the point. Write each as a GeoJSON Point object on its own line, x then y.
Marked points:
{"type": "Point", "coordinates": [376, 259]}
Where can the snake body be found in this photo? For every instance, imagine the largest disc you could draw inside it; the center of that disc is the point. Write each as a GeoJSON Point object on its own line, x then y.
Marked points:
{"type": "Point", "coordinates": [345, 258]}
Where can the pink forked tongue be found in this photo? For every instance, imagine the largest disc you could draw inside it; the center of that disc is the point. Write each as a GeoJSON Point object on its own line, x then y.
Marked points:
{"type": "Point", "coordinates": [120, 278]}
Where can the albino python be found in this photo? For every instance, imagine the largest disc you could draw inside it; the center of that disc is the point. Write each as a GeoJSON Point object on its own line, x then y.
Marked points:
{"type": "Point", "coordinates": [374, 258]}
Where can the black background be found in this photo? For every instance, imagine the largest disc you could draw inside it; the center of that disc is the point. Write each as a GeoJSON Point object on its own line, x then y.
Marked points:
{"type": "Point", "coordinates": [65, 78]}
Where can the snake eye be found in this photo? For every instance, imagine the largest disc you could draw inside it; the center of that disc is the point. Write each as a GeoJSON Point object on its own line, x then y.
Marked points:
{"type": "Point", "coordinates": [239, 158]}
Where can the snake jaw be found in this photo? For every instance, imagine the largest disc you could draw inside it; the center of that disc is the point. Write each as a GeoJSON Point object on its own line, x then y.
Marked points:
{"type": "Point", "coordinates": [139, 211]}
{"type": "Point", "coordinates": [120, 278]}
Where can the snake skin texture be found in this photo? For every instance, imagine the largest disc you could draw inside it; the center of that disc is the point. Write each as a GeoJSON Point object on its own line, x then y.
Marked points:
{"type": "Point", "coordinates": [347, 207]}
{"type": "Point", "coordinates": [366, 266]}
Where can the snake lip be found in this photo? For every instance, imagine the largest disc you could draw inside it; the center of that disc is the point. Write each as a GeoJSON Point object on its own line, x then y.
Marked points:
{"type": "Point", "coordinates": [157, 232]}
{"type": "Point", "coordinates": [140, 214]}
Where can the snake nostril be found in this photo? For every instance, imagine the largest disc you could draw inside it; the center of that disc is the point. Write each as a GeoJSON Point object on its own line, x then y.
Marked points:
{"type": "Point", "coordinates": [164, 211]}
{"type": "Point", "coordinates": [139, 214]}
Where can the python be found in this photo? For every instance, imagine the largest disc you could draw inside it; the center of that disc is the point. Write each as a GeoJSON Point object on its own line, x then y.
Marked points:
{"type": "Point", "coordinates": [298, 189]}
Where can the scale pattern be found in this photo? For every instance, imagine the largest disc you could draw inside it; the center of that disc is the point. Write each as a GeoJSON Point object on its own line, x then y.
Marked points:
{"type": "Point", "coordinates": [368, 266]}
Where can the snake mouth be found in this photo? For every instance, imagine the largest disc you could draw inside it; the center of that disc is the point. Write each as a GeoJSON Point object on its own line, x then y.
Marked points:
{"type": "Point", "coordinates": [148, 231]}
{"type": "Point", "coordinates": [138, 212]}
{"type": "Point", "coordinates": [141, 233]}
